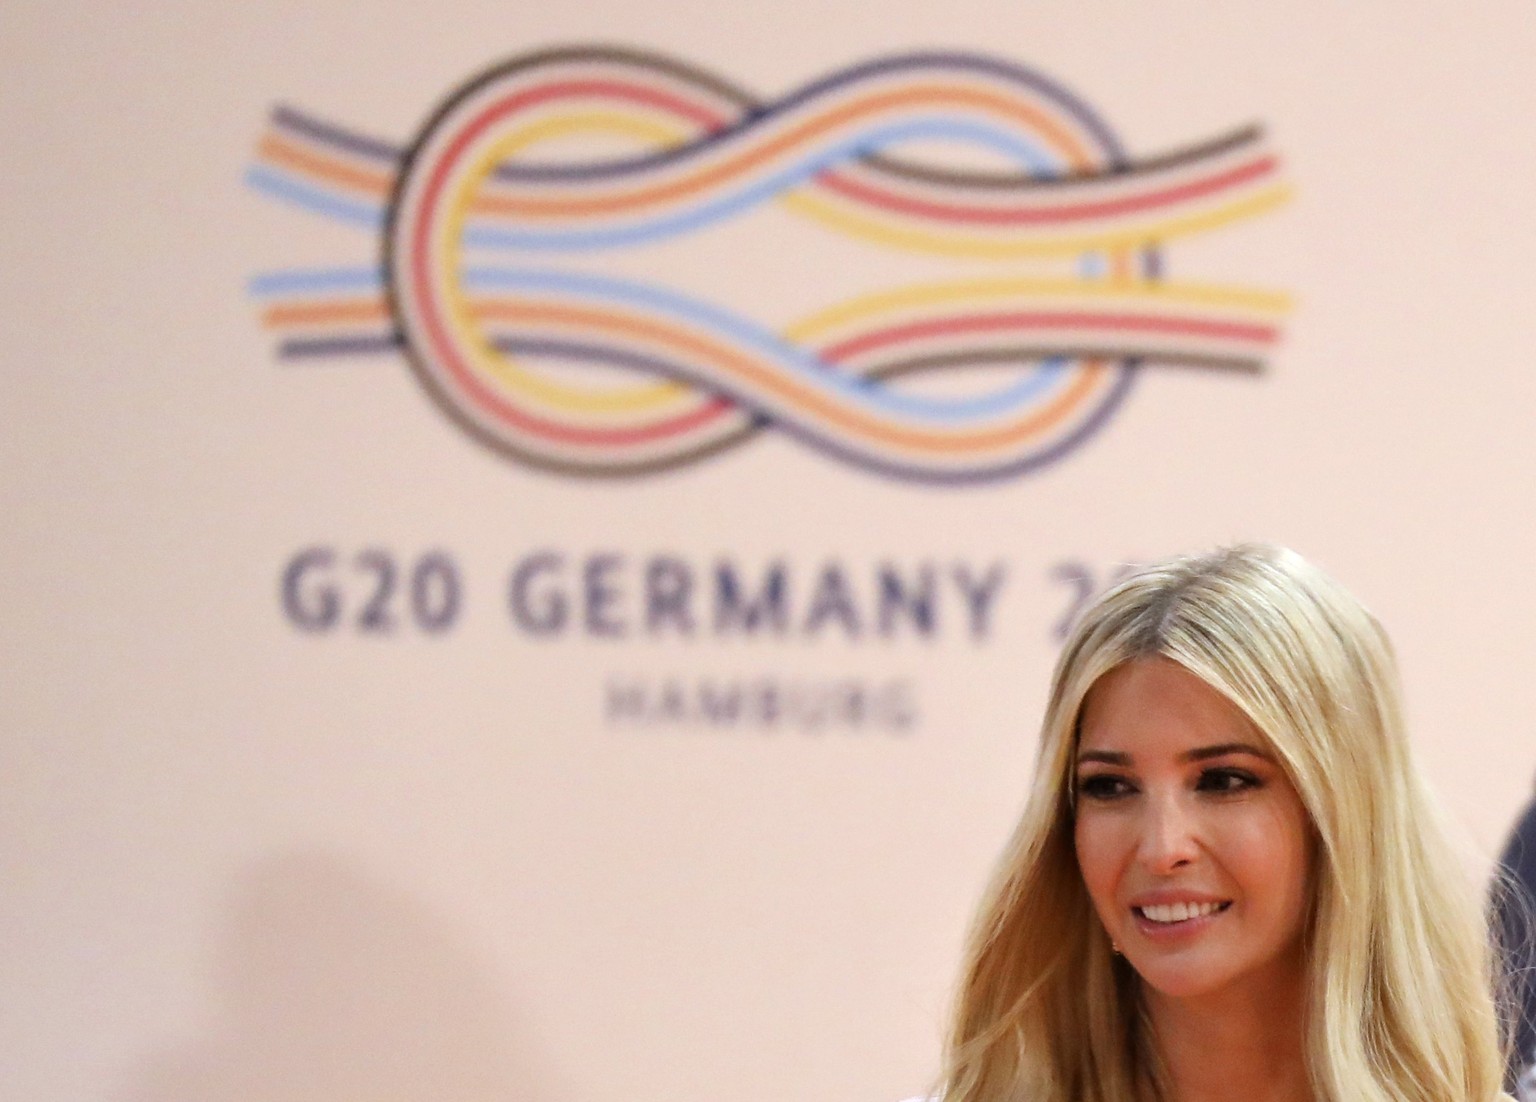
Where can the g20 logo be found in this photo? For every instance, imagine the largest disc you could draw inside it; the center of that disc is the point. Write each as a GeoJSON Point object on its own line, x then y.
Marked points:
{"type": "Point", "coordinates": [1059, 261]}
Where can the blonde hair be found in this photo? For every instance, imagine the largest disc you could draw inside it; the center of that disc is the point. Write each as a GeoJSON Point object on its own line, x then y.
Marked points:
{"type": "Point", "coordinates": [1399, 1004]}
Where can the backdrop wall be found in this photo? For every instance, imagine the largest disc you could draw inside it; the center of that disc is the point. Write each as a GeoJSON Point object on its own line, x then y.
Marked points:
{"type": "Point", "coordinates": [593, 652]}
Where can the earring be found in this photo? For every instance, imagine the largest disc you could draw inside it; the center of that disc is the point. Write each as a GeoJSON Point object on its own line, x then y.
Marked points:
{"type": "Point", "coordinates": [1113, 947]}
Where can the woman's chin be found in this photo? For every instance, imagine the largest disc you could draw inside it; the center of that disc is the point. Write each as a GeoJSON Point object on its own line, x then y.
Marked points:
{"type": "Point", "coordinates": [1184, 980]}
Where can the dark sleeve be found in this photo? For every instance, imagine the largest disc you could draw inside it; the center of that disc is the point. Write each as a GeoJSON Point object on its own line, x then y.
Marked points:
{"type": "Point", "coordinates": [1513, 912]}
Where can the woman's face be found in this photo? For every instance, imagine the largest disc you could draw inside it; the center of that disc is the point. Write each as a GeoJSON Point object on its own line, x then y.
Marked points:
{"type": "Point", "coordinates": [1193, 844]}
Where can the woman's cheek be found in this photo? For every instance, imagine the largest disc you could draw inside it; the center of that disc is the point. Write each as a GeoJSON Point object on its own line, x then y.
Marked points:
{"type": "Point", "coordinates": [1102, 848]}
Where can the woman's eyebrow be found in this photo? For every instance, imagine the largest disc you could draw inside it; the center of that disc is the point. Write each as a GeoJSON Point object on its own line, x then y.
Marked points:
{"type": "Point", "coordinates": [1108, 757]}
{"type": "Point", "coordinates": [1221, 750]}
{"type": "Point", "coordinates": [1199, 753]}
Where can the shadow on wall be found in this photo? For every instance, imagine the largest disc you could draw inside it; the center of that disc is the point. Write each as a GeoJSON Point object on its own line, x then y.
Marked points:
{"type": "Point", "coordinates": [330, 986]}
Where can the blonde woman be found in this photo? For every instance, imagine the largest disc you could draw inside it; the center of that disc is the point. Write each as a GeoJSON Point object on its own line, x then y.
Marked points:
{"type": "Point", "coordinates": [1228, 882]}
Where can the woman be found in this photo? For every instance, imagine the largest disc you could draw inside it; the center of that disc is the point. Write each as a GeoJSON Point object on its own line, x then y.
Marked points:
{"type": "Point", "coordinates": [1228, 882]}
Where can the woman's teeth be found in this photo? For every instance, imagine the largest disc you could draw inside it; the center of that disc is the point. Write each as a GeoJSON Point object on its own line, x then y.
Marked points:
{"type": "Point", "coordinates": [1178, 912]}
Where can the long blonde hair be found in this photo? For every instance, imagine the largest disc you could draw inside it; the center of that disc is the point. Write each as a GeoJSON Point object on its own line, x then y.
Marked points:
{"type": "Point", "coordinates": [1399, 1006]}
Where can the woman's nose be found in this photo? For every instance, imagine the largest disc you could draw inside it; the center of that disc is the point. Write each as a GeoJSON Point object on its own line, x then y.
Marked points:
{"type": "Point", "coordinates": [1169, 838]}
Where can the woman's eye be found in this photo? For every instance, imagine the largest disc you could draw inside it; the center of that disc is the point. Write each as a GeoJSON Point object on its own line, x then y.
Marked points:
{"type": "Point", "coordinates": [1104, 786]}
{"type": "Point", "coordinates": [1227, 780]}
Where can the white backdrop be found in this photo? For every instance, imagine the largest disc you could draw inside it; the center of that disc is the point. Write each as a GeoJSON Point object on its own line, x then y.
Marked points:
{"type": "Point", "coordinates": [243, 860]}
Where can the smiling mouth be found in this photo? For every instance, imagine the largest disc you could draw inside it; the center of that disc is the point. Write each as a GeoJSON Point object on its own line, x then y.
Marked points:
{"type": "Point", "coordinates": [1168, 914]}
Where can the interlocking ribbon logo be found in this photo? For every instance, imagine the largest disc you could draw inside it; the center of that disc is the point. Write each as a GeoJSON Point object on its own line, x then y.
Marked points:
{"type": "Point", "coordinates": [474, 218]}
